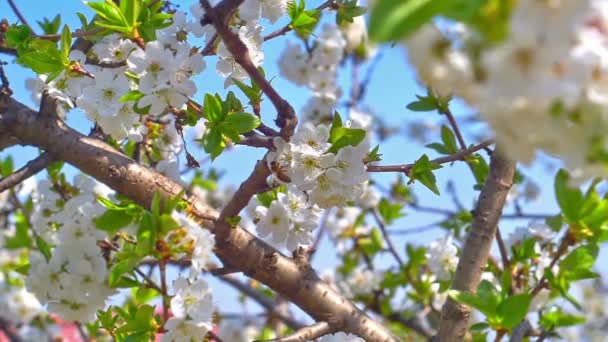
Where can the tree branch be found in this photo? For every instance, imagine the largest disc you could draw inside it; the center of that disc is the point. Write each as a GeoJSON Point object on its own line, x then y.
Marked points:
{"type": "Point", "coordinates": [235, 246]}
{"type": "Point", "coordinates": [286, 116]}
{"type": "Point", "coordinates": [455, 316]}
{"type": "Point", "coordinates": [305, 334]}
{"type": "Point", "coordinates": [31, 168]}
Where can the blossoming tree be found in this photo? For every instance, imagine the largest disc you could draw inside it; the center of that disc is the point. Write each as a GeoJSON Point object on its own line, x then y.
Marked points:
{"type": "Point", "coordinates": [143, 224]}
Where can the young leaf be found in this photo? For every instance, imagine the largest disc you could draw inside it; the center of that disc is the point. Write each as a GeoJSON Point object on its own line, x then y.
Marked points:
{"type": "Point", "coordinates": [570, 199]}
{"type": "Point", "coordinates": [213, 109]}
{"type": "Point", "coordinates": [449, 140]}
{"type": "Point", "coordinates": [213, 142]}
{"type": "Point", "coordinates": [66, 42]}
{"type": "Point", "coordinates": [112, 220]}
{"type": "Point", "coordinates": [422, 171]}
{"type": "Point", "coordinates": [389, 212]}
{"type": "Point", "coordinates": [348, 137]}
{"type": "Point", "coordinates": [392, 20]}
{"type": "Point", "coordinates": [242, 122]}
{"type": "Point", "coordinates": [514, 309]}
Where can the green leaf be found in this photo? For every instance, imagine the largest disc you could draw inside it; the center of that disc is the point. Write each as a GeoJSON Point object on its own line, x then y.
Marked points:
{"type": "Point", "coordinates": [19, 37]}
{"type": "Point", "coordinates": [241, 122]}
{"type": "Point", "coordinates": [113, 220]}
{"type": "Point", "coordinates": [335, 126]}
{"type": "Point", "coordinates": [514, 309]}
{"type": "Point", "coordinates": [439, 148]}
{"type": "Point", "coordinates": [50, 26]}
{"type": "Point", "coordinates": [389, 211]}
{"type": "Point", "coordinates": [449, 140]}
{"type": "Point", "coordinates": [372, 244]}
{"type": "Point", "coordinates": [43, 57]}
{"type": "Point", "coordinates": [131, 10]}
{"type": "Point", "coordinates": [423, 104]}
{"type": "Point", "coordinates": [392, 20]}
{"type": "Point", "coordinates": [303, 21]}
{"type": "Point", "coordinates": [213, 142]}
{"type": "Point", "coordinates": [43, 247]}
{"type": "Point", "coordinates": [6, 166]}
{"type": "Point", "coordinates": [347, 137]}
{"type": "Point", "coordinates": [21, 237]}
{"type": "Point", "coordinates": [480, 169]}
{"type": "Point", "coordinates": [346, 12]}
{"type": "Point", "coordinates": [253, 93]}
{"type": "Point", "coordinates": [118, 270]}
{"type": "Point", "coordinates": [66, 42]}
{"type": "Point", "coordinates": [131, 96]}
{"type": "Point", "coordinates": [422, 171]}
{"type": "Point", "coordinates": [577, 265]}
{"type": "Point", "coordinates": [487, 308]}
{"type": "Point", "coordinates": [570, 199]}
{"type": "Point", "coordinates": [83, 20]}
{"type": "Point", "coordinates": [373, 155]}
{"type": "Point", "coordinates": [213, 109]}
{"type": "Point", "coordinates": [111, 13]}
{"type": "Point", "coordinates": [555, 317]}
{"type": "Point", "coordinates": [233, 221]}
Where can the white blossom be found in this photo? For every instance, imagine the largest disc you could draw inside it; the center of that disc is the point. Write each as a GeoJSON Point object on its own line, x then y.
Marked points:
{"type": "Point", "coordinates": [193, 301]}
{"type": "Point", "coordinates": [442, 257]}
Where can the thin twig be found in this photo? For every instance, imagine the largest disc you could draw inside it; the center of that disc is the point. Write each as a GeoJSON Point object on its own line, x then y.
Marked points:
{"type": "Point", "coordinates": [19, 14]}
{"type": "Point", "coordinates": [455, 128]}
{"type": "Point", "coordinates": [269, 305]}
{"type": "Point", "coordinates": [387, 238]}
{"type": "Point", "coordinates": [416, 230]}
{"type": "Point", "coordinates": [506, 264]}
{"type": "Point", "coordinates": [308, 333]}
{"type": "Point", "coordinates": [31, 168]}
{"type": "Point", "coordinates": [149, 281]}
{"type": "Point", "coordinates": [8, 51]}
{"type": "Point", "coordinates": [405, 168]}
{"type": "Point", "coordinates": [76, 34]}
{"type": "Point", "coordinates": [162, 267]}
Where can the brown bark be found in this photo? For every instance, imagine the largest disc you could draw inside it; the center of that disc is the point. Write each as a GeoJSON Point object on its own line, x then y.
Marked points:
{"type": "Point", "coordinates": [455, 316]}
{"type": "Point", "coordinates": [236, 247]}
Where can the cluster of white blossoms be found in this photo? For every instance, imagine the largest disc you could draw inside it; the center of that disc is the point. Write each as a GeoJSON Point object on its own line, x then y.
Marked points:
{"type": "Point", "coordinates": [73, 282]}
{"type": "Point", "coordinates": [159, 73]}
{"type": "Point", "coordinates": [317, 71]}
{"type": "Point", "coordinates": [253, 10]}
{"type": "Point", "coordinates": [228, 67]}
{"type": "Point", "coordinates": [200, 240]}
{"type": "Point", "coordinates": [17, 304]}
{"type": "Point", "coordinates": [192, 307]}
{"type": "Point", "coordinates": [543, 88]}
{"type": "Point", "coordinates": [542, 235]}
{"type": "Point", "coordinates": [287, 221]}
{"type": "Point", "coordinates": [442, 257]}
{"type": "Point", "coordinates": [237, 330]}
{"type": "Point", "coordinates": [330, 179]}
{"type": "Point", "coordinates": [360, 281]}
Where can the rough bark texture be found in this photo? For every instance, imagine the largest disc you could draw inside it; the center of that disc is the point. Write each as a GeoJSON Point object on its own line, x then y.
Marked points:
{"type": "Point", "coordinates": [236, 247]}
{"type": "Point", "coordinates": [455, 316]}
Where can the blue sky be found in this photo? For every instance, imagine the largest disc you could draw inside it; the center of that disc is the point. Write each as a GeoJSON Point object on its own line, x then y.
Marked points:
{"type": "Point", "coordinates": [393, 86]}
